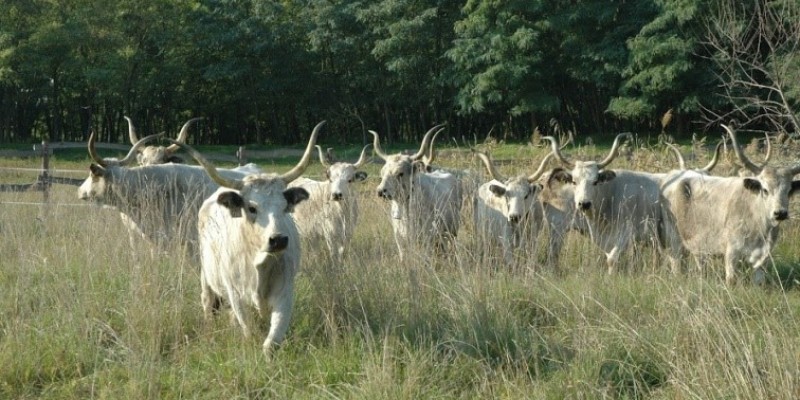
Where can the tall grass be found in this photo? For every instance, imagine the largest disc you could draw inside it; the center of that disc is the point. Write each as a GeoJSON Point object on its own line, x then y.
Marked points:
{"type": "Point", "coordinates": [84, 314]}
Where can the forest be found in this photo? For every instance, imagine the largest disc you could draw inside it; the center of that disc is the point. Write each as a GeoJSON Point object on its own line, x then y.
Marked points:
{"type": "Point", "coordinates": [264, 72]}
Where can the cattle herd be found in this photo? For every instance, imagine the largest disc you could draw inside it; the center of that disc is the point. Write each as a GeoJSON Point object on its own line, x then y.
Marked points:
{"type": "Point", "coordinates": [243, 226]}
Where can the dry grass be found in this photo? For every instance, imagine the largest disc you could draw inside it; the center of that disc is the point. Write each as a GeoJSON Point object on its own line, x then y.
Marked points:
{"type": "Point", "coordinates": [85, 315]}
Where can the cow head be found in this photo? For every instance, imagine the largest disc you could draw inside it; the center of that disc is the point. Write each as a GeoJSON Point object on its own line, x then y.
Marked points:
{"type": "Point", "coordinates": [98, 184]}
{"type": "Point", "coordinates": [772, 185]}
{"type": "Point", "coordinates": [585, 175]}
{"type": "Point", "coordinates": [341, 174]}
{"type": "Point", "coordinates": [151, 155]}
{"type": "Point", "coordinates": [262, 201]}
{"type": "Point", "coordinates": [398, 173]}
{"type": "Point", "coordinates": [517, 194]}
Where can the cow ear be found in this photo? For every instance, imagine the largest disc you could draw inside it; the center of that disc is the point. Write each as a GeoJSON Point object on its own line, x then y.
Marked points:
{"type": "Point", "coordinates": [96, 170]}
{"type": "Point", "coordinates": [360, 176]}
{"type": "Point", "coordinates": [497, 190]}
{"type": "Point", "coordinates": [795, 187]}
{"type": "Point", "coordinates": [233, 202]}
{"type": "Point", "coordinates": [419, 166]}
{"type": "Point", "coordinates": [605, 176]}
{"type": "Point", "coordinates": [753, 185]}
{"type": "Point", "coordinates": [559, 175]}
{"type": "Point", "coordinates": [294, 196]}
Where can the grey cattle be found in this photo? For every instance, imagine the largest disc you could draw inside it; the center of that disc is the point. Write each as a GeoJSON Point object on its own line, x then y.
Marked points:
{"type": "Point", "coordinates": [152, 155]}
{"type": "Point", "coordinates": [331, 212]}
{"type": "Point", "coordinates": [506, 211]}
{"type": "Point", "coordinates": [619, 206]}
{"type": "Point", "coordinates": [425, 206]}
{"type": "Point", "coordinates": [249, 244]}
{"type": "Point", "coordinates": [157, 202]}
{"type": "Point", "coordinates": [735, 217]}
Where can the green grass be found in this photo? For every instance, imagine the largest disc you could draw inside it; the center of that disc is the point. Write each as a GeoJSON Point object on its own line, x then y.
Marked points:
{"type": "Point", "coordinates": [84, 315]}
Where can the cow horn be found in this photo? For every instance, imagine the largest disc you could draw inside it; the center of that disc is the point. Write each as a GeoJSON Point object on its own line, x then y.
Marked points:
{"type": "Point", "coordinates": [755, 169]}
{"type": "Point", "coordinates": [490, 166]}
{"type": "Point", "coordinates": [131, 156]}
{"type": "Point", "coordinates": [714, 160]}
{"type": "Point", "coordinates": [614, 150]}
{"type": "Point", "coordinates": [211, 170]}
{"type": "Point", "coordinates": [322, 159]}
{"type": "Point", "coordinates": [298, 170]}
{"type": "Point", "coordinates": [93, 151]}
{"type": "Point", "coordinates": [425, 142]}
{"type": "Point", "coordinates": [428, 159]}
{"type": "Point", "coordinates": [769, 149]}
{"type": "Point", "coordinates": [678, 155]}
{"type": "Point", "coordinates": [534, 176]}
{"type": "Point", "coordinates": [557, 152]}
{"type": "Point", "coordinates": [182, 136]}
{"type": "Point", "coordinates": [363, 158]}
{"type": "Point", "coordinates": [131, 131]}
{"type": "Point", "coordinates": [376, 144]}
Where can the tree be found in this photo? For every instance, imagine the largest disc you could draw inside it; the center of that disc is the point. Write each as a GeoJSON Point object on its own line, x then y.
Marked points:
{"type": "Point", "coordinates": [756, 47]}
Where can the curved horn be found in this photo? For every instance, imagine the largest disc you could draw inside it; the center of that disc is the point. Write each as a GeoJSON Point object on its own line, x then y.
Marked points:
{"type": "Point", "coordinates": [678, 155]}
{"type": "Point", "coordinates": [363, 158]}
{"type": "Point", "coordinates": [769, 149]}
{"type": "Point", "coordinates": [425, 142]}
{"type": "Point", "coordinates": [131, 131]}
{"type": "Point", "coordinates": [614, 150]}
{"type": "Point", "coordinates": [534, 176]}
{"type": "Point", "coordinates": [740, 154]}
{"type": "Point", "coordinates": [182, 136]}
{"type": "Point", "coordinates": [714, 160]}
{"type": "Point", "coordinates": [93, 152]}
{"type": "Point", "coordinates": [376, 144]}
{"type": "Point", "coordinates": [557, 152]}
{"type": "Point", "coordinates": [490, 166]}
{"type": "Point", "coordinates": [322, 159]}
{"type": "Point", "coordinates": [211, 170]}
{"type": "Point", "coordinates": [428, 159]}
{"type": "Point", "coordinates": [131, 156]}
{"type": "Point", "coordinates": [298, 170]}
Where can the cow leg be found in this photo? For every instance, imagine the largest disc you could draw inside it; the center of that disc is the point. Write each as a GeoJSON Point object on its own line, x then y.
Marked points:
{"type": "Point", "coordinates": [238, 312]}
{"type": "Point", "coordinates": [730, 266]}
{"type": "Point", "coordinates": [279, 321]}
{"type": "Point", "coordinates": [210, 301]}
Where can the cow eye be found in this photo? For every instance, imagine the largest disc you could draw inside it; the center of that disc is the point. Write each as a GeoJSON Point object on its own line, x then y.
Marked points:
{"type": "Point", "coordinates": [400, 175]}
{"type": "Point", "coordinates": [252, 209]}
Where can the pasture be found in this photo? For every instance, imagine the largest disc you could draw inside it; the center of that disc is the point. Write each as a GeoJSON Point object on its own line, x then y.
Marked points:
{"type": "Point", "coordinates": [86, 314]}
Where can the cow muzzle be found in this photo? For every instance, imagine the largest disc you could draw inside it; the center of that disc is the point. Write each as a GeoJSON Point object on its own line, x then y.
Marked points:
{"type": "Point", "coordinates": [584, 205]}
{"type": "Point", "coordinates": [780, 215]}
{"type": "Point", "coordinates": [338, 196]}
{"type": "Point", "coordinates": [277, 243]}
{"type": "Point", "coordinates": [383, 193]}
{"type": "Point", "coordinates": [514, 218]}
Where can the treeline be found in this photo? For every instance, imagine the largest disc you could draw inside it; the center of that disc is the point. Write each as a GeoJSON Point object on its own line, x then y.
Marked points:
{"type": "Point", "coordinates": [265, 72]}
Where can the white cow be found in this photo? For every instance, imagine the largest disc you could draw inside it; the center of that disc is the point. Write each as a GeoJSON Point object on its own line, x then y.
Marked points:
{"type": "Point", "coordinates": [425, 206]}
{"type": "Point", "coordinates": [735, 217]}
{"type": "Point", "coordinates": [250, 247]}
{"type": "Point", "coordinates": [331, 213]}
{"type": "Point", "coordinates": [506, 211]}
{"type": "Point", "coordinates": [620, 206]}
{"type": "Point", "coordinates": [151, 155]}
{"type": "Point", "coordinates": [157, 202]}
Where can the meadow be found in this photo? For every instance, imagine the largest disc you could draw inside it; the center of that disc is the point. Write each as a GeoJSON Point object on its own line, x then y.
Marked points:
{"type": "Point", "coordinates": [86, 314]}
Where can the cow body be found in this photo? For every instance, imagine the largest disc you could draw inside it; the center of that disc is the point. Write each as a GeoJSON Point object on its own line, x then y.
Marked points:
{"type": "Point", "coordinates": [620, 206]}
{"type": "Point", "coordinates": [735, 217]}
{"type": "Point", "coordinates": [250, 250]}
{"type": "Point", "coordinates": [506, 211]}
{"type": "Point", "coordinates": [331, 212]}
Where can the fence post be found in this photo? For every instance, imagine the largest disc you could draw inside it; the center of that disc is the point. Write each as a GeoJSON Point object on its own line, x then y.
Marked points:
{"type": "Point", "coordinates": [240, 155]}
{"type": "Point", "coordinates": [44, 177]}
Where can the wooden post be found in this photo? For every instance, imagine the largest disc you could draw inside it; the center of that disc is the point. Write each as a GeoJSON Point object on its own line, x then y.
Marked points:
{"type": "Point", "coordinates": [240, 155]}
{"type": "Point", "coordinates": [44, 177]}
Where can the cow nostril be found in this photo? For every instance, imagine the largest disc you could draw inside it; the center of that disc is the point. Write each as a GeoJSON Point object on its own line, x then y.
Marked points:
{"type": "Point", "coordinates": [336, 196]}
{"type": "Point", "coordinates": [585, 205]}
{"type": "Point", "coordinates": [513, 219]}
{"type": "Point", "coordinates": [277, 243]}
{"type": "Point", "coordinates": [781, 215]}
